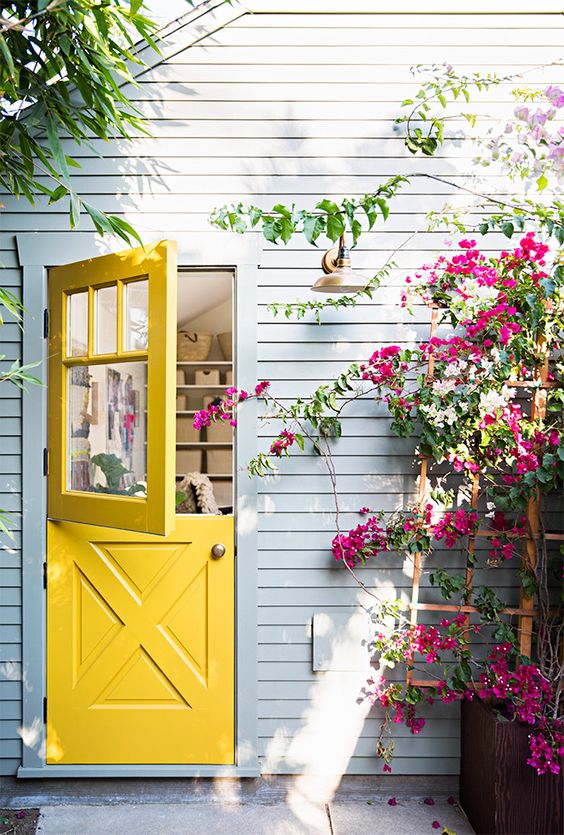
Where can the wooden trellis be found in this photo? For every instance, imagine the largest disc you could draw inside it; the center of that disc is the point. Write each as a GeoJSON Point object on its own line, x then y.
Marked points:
{"type": "Point", "coordinates": [526, 610]}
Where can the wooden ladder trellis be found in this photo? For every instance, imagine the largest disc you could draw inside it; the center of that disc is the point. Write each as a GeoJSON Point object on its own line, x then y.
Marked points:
{"type": "Point", "coordinates": [526, 610]}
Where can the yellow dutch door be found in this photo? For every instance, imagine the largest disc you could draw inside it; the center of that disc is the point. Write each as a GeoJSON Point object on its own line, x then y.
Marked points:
{"type": "Point", "coordinates": [140, 620]}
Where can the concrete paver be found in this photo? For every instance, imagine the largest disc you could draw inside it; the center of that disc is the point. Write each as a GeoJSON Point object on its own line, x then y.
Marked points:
{"type": "Point", "coordinates": [407, 818]}
{"type": "Point", "coordinates": [177, 819]}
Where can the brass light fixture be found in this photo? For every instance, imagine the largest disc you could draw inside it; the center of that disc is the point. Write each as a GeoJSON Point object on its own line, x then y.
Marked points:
{"type": "Point", "coordinates": [339, 278]}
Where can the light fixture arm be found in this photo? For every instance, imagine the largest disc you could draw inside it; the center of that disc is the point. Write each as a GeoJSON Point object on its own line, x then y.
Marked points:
{"type": "Point", "coordinates": [338, 276]}
{"type": "Point", "coordinates": [330, 259]}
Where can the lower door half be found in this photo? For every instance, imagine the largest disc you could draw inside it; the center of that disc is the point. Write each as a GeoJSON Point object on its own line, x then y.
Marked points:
{"type": "Point", "coordinates": [140, 652]}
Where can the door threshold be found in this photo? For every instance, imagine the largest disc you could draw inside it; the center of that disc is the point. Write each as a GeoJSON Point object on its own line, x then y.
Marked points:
{"type": "Point", "coordinates": [88, 771]}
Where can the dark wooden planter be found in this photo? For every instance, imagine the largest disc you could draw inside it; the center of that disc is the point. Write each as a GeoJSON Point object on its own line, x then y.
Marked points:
{"type": "Point", "coordinates": [499, 792]}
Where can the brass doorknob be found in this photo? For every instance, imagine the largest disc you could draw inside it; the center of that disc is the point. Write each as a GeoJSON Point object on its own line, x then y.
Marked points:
{"type": "Point", "coordinates": [218, 550]}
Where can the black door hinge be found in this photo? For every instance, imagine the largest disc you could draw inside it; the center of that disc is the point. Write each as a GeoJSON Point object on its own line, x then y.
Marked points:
{"type": "Point", "coordinates": [46, 324]}
{"type": "Point", "coordinates": [45, 710]}
{"type": "Point", "coordinates": [44, 575]}
{"type": "Point", "coordinates": [45, 461]}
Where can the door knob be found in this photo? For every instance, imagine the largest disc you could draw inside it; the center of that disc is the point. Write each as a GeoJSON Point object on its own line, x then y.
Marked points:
{"type": "Point", "coordinates": [218, 550]}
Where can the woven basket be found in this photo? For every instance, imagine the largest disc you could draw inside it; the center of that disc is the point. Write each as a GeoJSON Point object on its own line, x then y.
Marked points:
{"type": "Point", "coordinates": [193, 347]}
{"type": "Point", "coordinates": [226, 345]}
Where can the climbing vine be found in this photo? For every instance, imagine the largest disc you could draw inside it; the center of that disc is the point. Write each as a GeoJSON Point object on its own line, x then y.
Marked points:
{"type": "Point", "coordinates": [471, 416]}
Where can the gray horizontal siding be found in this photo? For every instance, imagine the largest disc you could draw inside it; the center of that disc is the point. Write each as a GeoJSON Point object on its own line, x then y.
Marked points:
{"type": "Point", "coordinates": [10, 557]}
{"type": "Point", "coordinates": [259, 112]}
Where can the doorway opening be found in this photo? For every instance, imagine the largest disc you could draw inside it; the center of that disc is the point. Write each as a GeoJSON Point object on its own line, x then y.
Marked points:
{"type": "Point", "coordinates": [204, 372]}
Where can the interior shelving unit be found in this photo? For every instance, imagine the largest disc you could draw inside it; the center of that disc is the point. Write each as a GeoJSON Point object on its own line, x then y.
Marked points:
{"type": "Point", "coordinates": [204, 371]}
{"type": "Point", "coordinates": [210, 450]}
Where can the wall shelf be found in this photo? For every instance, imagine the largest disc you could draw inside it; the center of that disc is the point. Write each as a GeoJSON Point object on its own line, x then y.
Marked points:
{"type": "Point", "coordinates": [204, 364]}
{"type": "Point", "coordinates": [217, 444]}
{"type": "Point", "coordinates": [221, 476]}
{"type": "Point", "coordinates": [203, 387]}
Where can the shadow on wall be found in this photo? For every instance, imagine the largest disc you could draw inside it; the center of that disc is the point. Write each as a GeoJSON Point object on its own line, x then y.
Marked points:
{"type": "Point", "coordinates": [171, 182]}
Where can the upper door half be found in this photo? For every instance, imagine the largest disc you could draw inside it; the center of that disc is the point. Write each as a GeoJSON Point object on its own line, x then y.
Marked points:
{"type": "Point", "coordinates": [112, 355]}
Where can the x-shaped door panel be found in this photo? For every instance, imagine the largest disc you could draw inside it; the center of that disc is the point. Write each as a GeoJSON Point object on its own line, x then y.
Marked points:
{"type": "Point", "coordinates": [140, 644]}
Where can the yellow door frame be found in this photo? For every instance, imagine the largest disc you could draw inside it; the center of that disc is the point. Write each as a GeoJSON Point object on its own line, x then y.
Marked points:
{"type": "Point", "coordinates": [37, 254]}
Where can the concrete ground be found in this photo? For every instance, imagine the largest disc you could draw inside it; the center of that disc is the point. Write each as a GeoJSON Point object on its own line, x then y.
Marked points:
{"type": "Point", "coordinates": [275, 806]}
{"type": "Point", "coordinates": [409, 818]}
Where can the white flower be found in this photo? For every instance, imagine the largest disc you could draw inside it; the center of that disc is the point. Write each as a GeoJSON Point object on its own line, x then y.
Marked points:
{"type": "Point", "coordinates": [450, 415]}
{"type": "Point", "coordinates": [443, 386]}
{"type": "Point", "coordinates": [492, 400]}
{"type": "Point", "coordinates": [433, 414]}
{"type": "Point", "coordinates": [479, 296]}
{"type": "Point", "coordinates": [455, 369]}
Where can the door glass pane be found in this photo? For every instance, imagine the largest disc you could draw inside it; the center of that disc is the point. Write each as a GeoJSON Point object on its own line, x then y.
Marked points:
{"type": "Point", "coordinates": [105, 319]}
{"type": "Point", "coordinates": [136, 325]}
{"type": "Point", "coordinates": [77, 334]}
{"type": "Point", "coordinates": [107, 428]}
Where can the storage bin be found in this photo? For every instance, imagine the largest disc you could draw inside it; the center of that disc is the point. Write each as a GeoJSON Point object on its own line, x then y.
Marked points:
{"type": "Point", "coordinates": [181, 403]}
{"type": "Point", "coordinates": [208, 377]}
{"type": "Point", "coordinates": [220, 433]}
{"type": "Point", "coordinates": [193, 346]}
{"type": "Point", "coordinates": [223, 492]}
{"type": "Point", "coordinates": [229, 378]}
{"type": "Point", "coordinates": [219, 461]}
{"type": "Point", "coordinates": [180, 377]}
{"type": "Point", "coordinates": [226, 344]}
{"type": "Point", "coordinates": [188, 461]}
{"type": "Point", "coordinates": [185, 430]}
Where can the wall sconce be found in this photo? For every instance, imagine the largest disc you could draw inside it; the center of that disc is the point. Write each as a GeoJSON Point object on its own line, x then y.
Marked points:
{"type": "Point", "coordinates": [339, 278]}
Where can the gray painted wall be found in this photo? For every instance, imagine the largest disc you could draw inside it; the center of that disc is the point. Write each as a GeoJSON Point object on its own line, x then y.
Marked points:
{"type": "Point", "coordinates": [289, 106]}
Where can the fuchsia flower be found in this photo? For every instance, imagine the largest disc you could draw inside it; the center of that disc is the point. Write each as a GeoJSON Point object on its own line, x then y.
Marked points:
{"type": "Point", "coordinates": [282, 443]}
{"type": "Point", "coordinates": [384, 367]}
{"type": "Point", "coordinates": [223, 409]}
{"type": "Point", "coordinates": [455, 525]}
{"type": "Point", "coordinates": [392, 801]}
{"type": "Point", "coordinates": [260, 388]}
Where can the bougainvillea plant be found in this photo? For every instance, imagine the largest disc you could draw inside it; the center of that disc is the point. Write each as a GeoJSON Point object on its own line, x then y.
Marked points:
{"type": "Point", "coordinates": [471, 415]}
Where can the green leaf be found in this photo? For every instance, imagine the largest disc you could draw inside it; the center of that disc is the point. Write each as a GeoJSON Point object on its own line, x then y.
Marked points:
{"type": "Point", "coordinates": [335, 227]}
{"type": "Point", "coordinates": [74, 210]}
{"type": "Point", "coordinates": [56, 148]}
{"type": "Point", "coordinates": [282, 210]}
{"type": "Point", "coordinates": [508, 229]}
{"type": "Point", "coordinates": [269, 231]}
{"type": "Point", "coordinates": [58, 194]}
{"type": "Point", "coordinates": [7, 55]}
{"type": "Point", "coordinates": [384, 208]}
{"type": "Point", "coordinates": [328, 206]}
{"type": "Point", "coordinates": [286, 229]}
{"type": "Point", "coordinates": [124, 230]}
{"type": "Point", "coordinates": [313, 227]}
